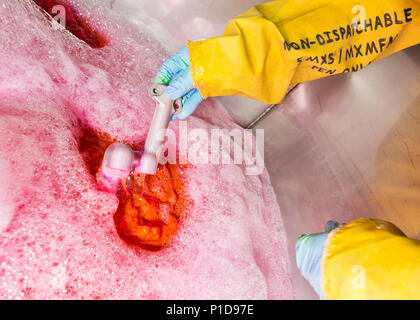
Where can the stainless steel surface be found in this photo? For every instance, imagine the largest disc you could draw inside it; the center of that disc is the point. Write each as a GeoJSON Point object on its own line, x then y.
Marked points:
{"type": "Point", "coordinates": [185, 19]}
{"type": "Point", "coordinates": [243, 110]}
{"type": "Point", "coordinates": [165, 108]}
{"type": "Point", "coordinates": [324, 143]}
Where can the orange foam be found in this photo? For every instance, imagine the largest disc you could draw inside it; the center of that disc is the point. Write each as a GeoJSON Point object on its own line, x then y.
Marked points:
{"type": "Point", "coordinates": [148, 216]}
{"type": "Point", "coordinates": [150, 206]}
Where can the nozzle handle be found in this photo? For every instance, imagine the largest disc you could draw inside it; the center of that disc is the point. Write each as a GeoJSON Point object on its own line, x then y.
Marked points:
{"type": "Point", "coordinates": [165, 107]}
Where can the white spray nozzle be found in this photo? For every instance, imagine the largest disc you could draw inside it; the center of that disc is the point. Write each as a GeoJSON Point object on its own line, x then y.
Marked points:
{"type": "Point", "coordinates": [119, 159]}
{"type": "Point", "coordinates": [165, 107]}
{"type": "Point", "coordinates": [117, 162]}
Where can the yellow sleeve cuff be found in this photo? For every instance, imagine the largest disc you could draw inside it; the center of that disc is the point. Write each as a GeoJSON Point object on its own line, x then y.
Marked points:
{"type": "Point", "coordinates": [370, 259]}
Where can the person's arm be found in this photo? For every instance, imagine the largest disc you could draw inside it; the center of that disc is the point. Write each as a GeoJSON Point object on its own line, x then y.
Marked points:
{"type": "Point", "coordinates": [284, 42]}
{"type": "Point", "coordinates": [364, 259]}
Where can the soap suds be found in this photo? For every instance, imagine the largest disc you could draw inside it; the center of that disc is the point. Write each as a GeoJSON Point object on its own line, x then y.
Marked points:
{"type": "Point", "coordinates": [58, 236]}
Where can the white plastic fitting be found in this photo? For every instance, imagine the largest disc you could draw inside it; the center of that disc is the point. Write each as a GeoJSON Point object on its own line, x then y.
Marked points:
{"type": "Point", "coordinates": [118, 161]}
{"type": "Point", "coordinates": [165, 107]}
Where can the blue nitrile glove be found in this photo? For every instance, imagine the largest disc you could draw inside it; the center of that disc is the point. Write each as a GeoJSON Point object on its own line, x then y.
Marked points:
{"type": "Point", "coordinates": [309, 250]}
{"type": "Point", "coordinates": [175, 73]}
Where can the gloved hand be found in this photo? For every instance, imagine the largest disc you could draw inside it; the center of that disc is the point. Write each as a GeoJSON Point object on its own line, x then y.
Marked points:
{"type": "Point", "coordinates": [309, 251]}
{"type": "Point", "coordinates": [175, 73]}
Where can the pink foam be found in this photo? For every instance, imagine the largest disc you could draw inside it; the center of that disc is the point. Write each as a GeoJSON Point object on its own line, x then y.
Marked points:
{"type": "Point", "coordinates": [57, 236]}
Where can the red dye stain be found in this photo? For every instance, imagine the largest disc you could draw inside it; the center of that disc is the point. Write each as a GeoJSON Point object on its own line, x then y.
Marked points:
{"type": "Point", "coordinates": [74, 23]}
{"type": "Point", "coordinates": [150, 206]}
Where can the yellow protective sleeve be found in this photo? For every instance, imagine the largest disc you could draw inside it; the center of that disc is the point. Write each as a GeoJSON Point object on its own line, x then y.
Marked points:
{"type": "Point", "coordinates": [280, 43]}
{"type": "Point", "coordinates": [370, 259]}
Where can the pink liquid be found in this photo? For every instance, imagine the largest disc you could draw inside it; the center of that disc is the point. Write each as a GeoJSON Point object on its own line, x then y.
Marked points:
{"type": "Point", "coordinates": [58, 238]}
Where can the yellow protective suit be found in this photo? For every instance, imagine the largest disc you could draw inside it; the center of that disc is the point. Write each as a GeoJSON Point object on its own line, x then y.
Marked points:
{"type": "Point", "coordinates": [280, 43]}
{"type": "Point", "coordinates": [370, 259]}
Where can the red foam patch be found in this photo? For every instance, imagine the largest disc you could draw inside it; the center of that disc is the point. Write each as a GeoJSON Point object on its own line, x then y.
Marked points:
{"type": "Point", "coordinates": [150, 206]}
{"type": "Point", "coordinates": [75, 24]}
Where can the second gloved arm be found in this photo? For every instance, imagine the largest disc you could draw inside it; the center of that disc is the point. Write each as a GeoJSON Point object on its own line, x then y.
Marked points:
{"type": "Point", "coordinates": [364, 259]}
